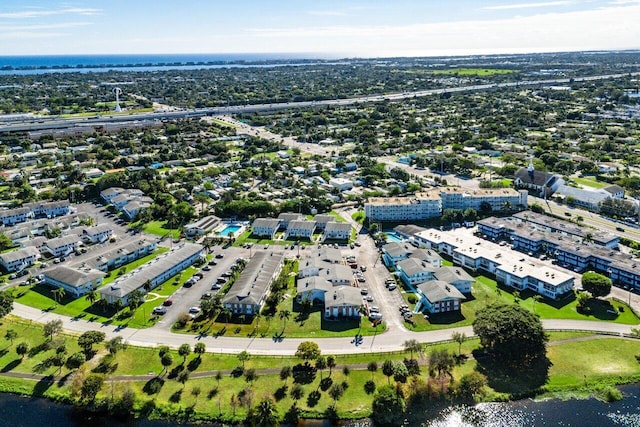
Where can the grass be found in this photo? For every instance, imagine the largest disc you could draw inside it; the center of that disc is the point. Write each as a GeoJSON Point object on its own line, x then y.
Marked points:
{"type": "Point", "coordinates": [158, 228]}
{"type": "Point", "coordinates": [480, 72]}
{"type": "Point", "coordinates": [358, 217]}
{"type": "Point", "coordinates": [590, 182]}
{"type": "Point", "coordinates": [577, 367]}
{"type": "Point", "coordinates": [486, 291]}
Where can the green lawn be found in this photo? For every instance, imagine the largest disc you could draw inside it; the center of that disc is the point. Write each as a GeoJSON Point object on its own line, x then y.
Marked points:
{"type": "Point", "coordinates": [590, 182]}
{"type": "Point", "coordinates": [157, 228]}
{"type": "Point", "coordinates": [480, 72]}
{"type": "Point", "coordinates": [358, 217]}
{"type": "Point", "coordinates": [486, 291]}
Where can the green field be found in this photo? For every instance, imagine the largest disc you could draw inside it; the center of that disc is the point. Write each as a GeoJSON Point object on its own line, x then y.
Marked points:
{"type": "Point", "coordinates": [590, 182]}
{"type": "Point", "coordinates": [157, 228]}
{"type": "Point", "coordinates": [480, 72]}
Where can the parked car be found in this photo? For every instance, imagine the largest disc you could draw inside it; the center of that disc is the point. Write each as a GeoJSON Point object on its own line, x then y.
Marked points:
{"type": "Point", "coordinates": [213, 262]}
{"type": "Point", "coordinates": [159, 310]}
{"type": "Point", "coordinates": [364, 291]}
{"type": "Point", "coordinates": [392, 286]}
{"type": "Point", "coordinates": [375, 316]}
{"type": "Point", "coordinates": [167, 302]}
{"type": "Point", "coordinates": [357, 244]}
{"type": "Point", "coordinates": [374, 309]}
{"type": "Point", "coordinates": [219, 255]}
{"type": "Point", "coordinates": [194, 310]}
{"type": "Point", "coordinates": [216, 286]}
{"type": "Point", "coordinates": [207, 295]}
{"type": "Point", "coordinates": [363, 268]}
{"type": "Point", "coordinates": [206, 268]}
{"type": "Point", "coordinates": [369, 298]}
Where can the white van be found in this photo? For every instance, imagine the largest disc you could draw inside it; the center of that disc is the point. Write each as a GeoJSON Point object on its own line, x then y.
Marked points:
{"type": "Point", "coordinates": [375, 316]}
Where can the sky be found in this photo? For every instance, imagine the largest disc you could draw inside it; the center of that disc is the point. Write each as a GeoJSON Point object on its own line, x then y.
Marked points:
{"type": "Point", "coordinates": [317, 28]}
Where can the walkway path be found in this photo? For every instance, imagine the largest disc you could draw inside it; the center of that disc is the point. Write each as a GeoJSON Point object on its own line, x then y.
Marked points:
{"type": "Point", "coordinates": [391, 340]}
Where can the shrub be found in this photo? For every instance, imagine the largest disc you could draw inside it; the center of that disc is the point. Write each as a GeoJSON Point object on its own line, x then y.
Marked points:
{"type": "Point", "coordinates": [412, 298]}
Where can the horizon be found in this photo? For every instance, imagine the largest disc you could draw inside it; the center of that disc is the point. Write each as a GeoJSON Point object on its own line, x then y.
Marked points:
{"type": "Point", "coordinates": [328, 28]}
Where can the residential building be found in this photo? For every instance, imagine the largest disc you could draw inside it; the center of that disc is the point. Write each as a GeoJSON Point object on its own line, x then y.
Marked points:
{"type": "Point", "coordinates": [19, 259]}
{"type": "Point", "coordinates": [394, 252]}
{"type": "Point", "coordinates": [342, 302]}
{"type": "Point", "coordinates": [413, 272]}
{"type": "Point", "coordinates": [337, 231]}
{"type": "Point", "coordinates": [49, 209]}
{"type": "Point", "coordinates": [265, 227]}
{"type": "Point", "coordinates": [132, 208]}
{"type": "Point", "coordinates": [75, 281]}
{"type": "Point", "coordinates": [152, 273]}
{"type": "Point", "coordinates": [300, 228]}
{"type": "Point", "coordinates": [341, 184]}
{"type": "Point", "coordinates": [419, 207]}
{"type": "Point", "coordinates": [14, 216]}
{"type": "Point", "coordinates": [312, 288]}
{"type": "Point", "coordinates": [322, 220]}
{"type": "Point", "coordinates": [285, 217]}
{"type": "Point", "coordinates": [437, 296]}
{"type": "Point", "coordinates": [250, 290]}
{"type": "Point", "coordinates": [109, 193]}
{"type": "Point", "coordinates": [97, 234]}
{"type": "Point", "coordinates": [62, 246]}
{"type": "Point", "coordinates": [456, 277]}
{"type": "Point", "coordinates": [540, 279]}
{"type": "Point", "coordinates": [122, 254]}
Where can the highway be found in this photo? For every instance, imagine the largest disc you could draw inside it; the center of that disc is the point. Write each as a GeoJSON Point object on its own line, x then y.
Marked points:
{"type": "Point", "coordinates": [55, 122]}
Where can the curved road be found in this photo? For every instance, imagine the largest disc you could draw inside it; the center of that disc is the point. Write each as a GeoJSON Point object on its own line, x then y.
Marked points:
{"type": "Point", "coordinates": [392, 340]}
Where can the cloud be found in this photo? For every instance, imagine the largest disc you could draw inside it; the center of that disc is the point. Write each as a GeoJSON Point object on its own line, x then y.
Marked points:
{"type": "Point", "coordinates": [528, 5]}
{"type": "Point", "coordinates": [28, 14]}
{"type": "Point", "coordinates": [24, 35]}
{"type": "Point", "coordinates": [9, 28]}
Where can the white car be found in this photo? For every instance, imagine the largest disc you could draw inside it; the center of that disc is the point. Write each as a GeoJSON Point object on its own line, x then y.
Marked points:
{"type": "Point", "coordinates": [160, 310]}
{"type": "Point", "coordinates": [194, 310]}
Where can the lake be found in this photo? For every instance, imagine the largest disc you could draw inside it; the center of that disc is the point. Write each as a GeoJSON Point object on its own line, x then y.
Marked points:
{"type": "Point", "coordinates": [20, 411]}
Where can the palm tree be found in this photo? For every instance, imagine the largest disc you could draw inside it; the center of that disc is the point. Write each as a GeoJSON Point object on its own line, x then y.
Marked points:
{"type": "Point", "coordinates": [92, 296]}
{"type": "Point", "coordinates": [256, 320]}
{"type": "Point", "coordinates": [266, 413]}
{"type": "Point", "coordinates": [226, 312]}
{"type": "Point", "coordinates": [331, 363]}
{"type": "Point", "coordinates": [58, 294]}
{"type": "Point", "coordinates": [536, 298]}
{"type": "Point", "coordinates": [284, 315]}
{"type": "Point", "coordinates": [460, 338]}
{"type": "Point", "coordinates": [147, 286]}
{"type": "Point", "coordinates": [412, 345]}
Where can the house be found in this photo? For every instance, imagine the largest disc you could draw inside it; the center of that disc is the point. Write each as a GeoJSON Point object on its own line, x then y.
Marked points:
{"type": "Point", "coordinates": [543, 280]}
{"type": "Point", "coordinates": [437, 296]}
{"type": "Point", "coordinates": [14, 216]}
{"type": "Point", "coordinates": [312, 288]}
{"type": "Point", "coordinates": [394, 252]}
{"type": "Point", "coordinates": [109, 193]}
{"type": "Point", "coordinates": [286, 217]}
{"type": "Point", "coordinates": [153, 273]}
{"type": "Point", "coordinates": [19, 259]}
{"type": "Point", "coordinates": [202, 226]}
{"type": "Point", "coordinates": [62, 246]}
{"type": "Point", "coordinates": [341, 184]}
{"type": "Point", "coordinates": [542, 183]}
{"type": "Point", "coordinates": [265, 227]}
{"type": "Point", "coordinates": [615, 191]}
{"type": "Point", "coordinates": [248, 293]}
{"type": "Point", "coordinates": [336, 274]}
{"type": "Point", "coordinates": [607, 167]}
{"type": "Point", "coordinates": [49, 209]}
{"type": "Point", "coordinates": [132, 208]}
{"type": "Point", "coordinates": [413, 272]}
{"type": "Point", "coordinates": [321, 220]}
{"type": "Point", "coordinates": [97, 234]}
{"type": "Point", "coordinates": [300, 228]}
{"type": "Point", "coordinates": [75, 281]}
{"type": "Point", "coordinates": [122, 254]}
{"type": "Point", "coordinates": [455, 276]}
{"type": "Point", "coordinates": [342, 302]}
{"type": "Point", "coordinates": [328, 254]}
{"type": "Point", "coordinates": [337, 231]}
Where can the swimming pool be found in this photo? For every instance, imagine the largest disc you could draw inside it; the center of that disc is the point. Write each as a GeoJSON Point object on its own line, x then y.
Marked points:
{"type": "Point", "coordinates": [392, 236]}
{"type": "Point", "coordinates": [229, 229]}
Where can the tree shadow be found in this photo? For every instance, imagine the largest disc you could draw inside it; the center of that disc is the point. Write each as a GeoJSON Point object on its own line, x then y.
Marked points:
{"type": "Point", "coordinates": [325, 383]}
{"type": "Point", "coordinates": [175, 372]}
{"type": "Point", "coordinates": [340, 325]}
{"type": "Point", "coordinates": [43, 385]}
{"type": "Point", "coordinates": [176, 397]}
{"type": "Point", "coordinates": [153, 386]}
{"type": "Point", "coordinates": [212, 393]}
{"type": "Point", "coordinates": [63, 380]}
{"type": "Point", "coordinates": [519, 380]}
{"type": "Point", "coordinates": [194, 364]}
{"type": "Point", "coordinates": [600, 309]}
{"type": "Point", "coordinates": [281, 393]}
{"type": "Point", "coordinates": [11, 365]}
{"type": "Point", "coordinates": [313, 398]}
{"type": "Point", "coordinates": [446, 318]}
{"type": "Point", "coordinates": [303, 374]}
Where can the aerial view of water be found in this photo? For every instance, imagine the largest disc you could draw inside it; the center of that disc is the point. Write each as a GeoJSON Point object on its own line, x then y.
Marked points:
{"type": "Point", "coordinates": [20, 411]}
{"type": "Point", "coordinates": [23, 65]}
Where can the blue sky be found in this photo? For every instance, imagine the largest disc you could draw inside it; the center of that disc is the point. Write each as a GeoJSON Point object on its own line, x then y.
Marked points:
{"type": "Point", "coordinates": [371, 28]}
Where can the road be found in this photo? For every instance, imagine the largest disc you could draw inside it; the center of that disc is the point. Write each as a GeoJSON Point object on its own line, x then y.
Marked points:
{"type": "Point", "coordinates": [55, 122]}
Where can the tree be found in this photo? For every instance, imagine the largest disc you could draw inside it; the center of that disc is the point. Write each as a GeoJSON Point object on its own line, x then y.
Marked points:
{"type": "Point", "coordinates": [114, 345]}
{"type": "Point", "coordinates": [321, 364]}
{"type": "Point", "coordinates": [135, 300]}
{"type": "Point", "coordinates": [511, 333]}
{"type": "Point", "coordinates": [336, 391]}
{"type": "Point", "coordinates": [442, 362]}
{"type": "Point", "coordinates": [243, 356]}
{"type": "Point", "coordinates": [459, 338]}
{"type": "Point", "coordinates": [91, 386]}
{"type": "Point", "coordinates": [163, 349]}
{"type": "Point", "coordinates": [183, 377]}
{"type": "Point", "coordinates": [285, 373]}
{"type": "Point", "coordinates": [331, 363]}
{"type": "Point", "coordinates": [412, 345]}
{"type": "Point", "coordinates": [400, 372]}
{"type": "Point", "coordinates": [372, 367]}
{"type": "Point", "coordinates": [89, 338]}
{"type": "Point", "coordinates": [387, 369]}
{"type": "Point", "coordinates": [199, 349]}
{"type": "Point", "coordinates": [76, 360]}
{"type": "Point", "coordinates": [184, 350]}
{"type": "Point", "coordinates": [166, 360]}
{"type": "Point", "coordinates": [284, 315]}
{"type": "Point", "coordinates": [308, 350]}
{"type": "Point", "coordinates": [297, 391]}
{"type": "Point", "coordinates": [471, 385]}
{"type": "Point", "coordinates": [22, 349]}
{"type": "Point", "coordinates": [388, 406]}
{"type": "Point", "coordinates": [58, 294]}
{"type": "Point", "coordinates": [266, 413]}
{"type": "Point", "coordinates": [92, 295]}
{"type": "Point", "coordinates": [596, 284]}
{"type": "Point", "coordinates": [5, 242]}
{"type": "Point", "coordinates": [52, 328]}
{"type": "Point", "coordinates": [11, 335]}
{"type": "Point", "coordinates": [6, 303]}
